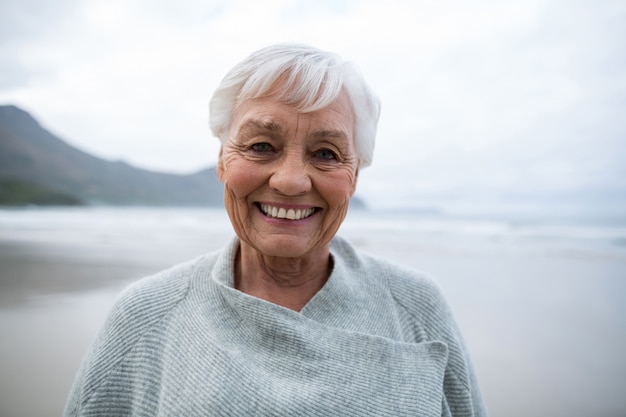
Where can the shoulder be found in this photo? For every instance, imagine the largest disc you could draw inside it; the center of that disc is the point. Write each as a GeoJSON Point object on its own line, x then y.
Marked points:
{"type": "Point", "coordinates": [421, 306]}
{"type": "Point", "coordinates": [412, 288]}
{"type": "Point", "coordinates": [418, 294]}
{"type": "Point", "coordinates": [146, 301]}
{"type": "Point", "coordinates": [137, 310]}
{"type": "Point", "coordinates": [418, 302]}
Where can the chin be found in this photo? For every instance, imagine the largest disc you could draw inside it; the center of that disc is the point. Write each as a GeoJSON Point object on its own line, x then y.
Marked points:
{"type": "Point", "coordinates": [286, 247]}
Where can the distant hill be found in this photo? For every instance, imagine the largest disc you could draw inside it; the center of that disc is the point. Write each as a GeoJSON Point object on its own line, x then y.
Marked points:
{"type": "Point", "coordinates": [34, 162]}
{"type": "Point", "coordinates": [21, 193]}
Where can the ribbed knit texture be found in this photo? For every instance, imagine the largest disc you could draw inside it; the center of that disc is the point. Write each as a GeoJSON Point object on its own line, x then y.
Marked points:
{"type": "Point", "coordinates": [377, 340]}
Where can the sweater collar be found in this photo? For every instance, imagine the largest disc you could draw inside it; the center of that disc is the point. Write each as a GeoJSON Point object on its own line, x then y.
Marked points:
{"type": "Point", "coordinates": [334, 299]}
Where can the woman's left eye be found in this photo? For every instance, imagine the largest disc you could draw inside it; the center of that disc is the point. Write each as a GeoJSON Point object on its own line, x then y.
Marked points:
{"type": "Point", "coordinates": [326, 154]}
{"type": "Point", "coordinates": [262, 147]}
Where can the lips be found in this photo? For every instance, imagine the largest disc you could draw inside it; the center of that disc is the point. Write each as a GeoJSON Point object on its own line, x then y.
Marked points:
{"type": "Point", "coordinates": [288, 214]}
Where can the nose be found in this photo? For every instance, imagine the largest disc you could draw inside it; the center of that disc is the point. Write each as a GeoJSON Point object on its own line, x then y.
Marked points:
{"type": "Point", "coordinates": [290, 176]}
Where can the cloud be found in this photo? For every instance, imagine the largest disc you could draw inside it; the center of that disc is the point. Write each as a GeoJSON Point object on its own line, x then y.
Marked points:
{"type": "Point", "coordinates": [527, 103]}
{"type": "Point", "coordinates": [24, 24]}
{"type": "Point", "coordinates": [527, 94]}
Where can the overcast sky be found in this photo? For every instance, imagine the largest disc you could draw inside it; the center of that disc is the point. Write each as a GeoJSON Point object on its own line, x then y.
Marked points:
{"type": "Point", "coordinates": [489, 96]}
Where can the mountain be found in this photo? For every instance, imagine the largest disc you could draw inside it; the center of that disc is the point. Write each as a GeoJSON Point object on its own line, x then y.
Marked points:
{"type": "Point", "coordinates": [33, 159]}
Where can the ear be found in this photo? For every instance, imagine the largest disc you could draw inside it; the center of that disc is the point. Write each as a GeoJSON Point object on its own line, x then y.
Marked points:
{"type": "Point", "coordinates": [219, 169]}
{"type": "Point", "coordinates": [354, 182]}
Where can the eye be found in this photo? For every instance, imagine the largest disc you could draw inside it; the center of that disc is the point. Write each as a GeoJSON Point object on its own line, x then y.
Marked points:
{"type": "Point", "coordinates": [326, 155]}
{"type": "Point", "coordinates": [262, 147]}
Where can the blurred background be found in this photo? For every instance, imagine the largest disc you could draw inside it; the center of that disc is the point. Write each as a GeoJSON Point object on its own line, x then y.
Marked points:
{"type": "Point", "coordinates": [500, 168]}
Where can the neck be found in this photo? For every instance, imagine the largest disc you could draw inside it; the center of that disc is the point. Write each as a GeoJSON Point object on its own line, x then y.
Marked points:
{"type": "Point", "coordinates": [288, 282]}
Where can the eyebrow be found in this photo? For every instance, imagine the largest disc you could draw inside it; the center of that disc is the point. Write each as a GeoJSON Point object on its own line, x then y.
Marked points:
{"type": "Point", "coordinates": [326, 133]}
{"type": "Point", "coordinates": [251, 126]}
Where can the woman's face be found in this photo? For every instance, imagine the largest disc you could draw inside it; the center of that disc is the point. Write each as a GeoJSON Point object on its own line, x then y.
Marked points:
{"type": "Point", "coordinates": [288, 176]}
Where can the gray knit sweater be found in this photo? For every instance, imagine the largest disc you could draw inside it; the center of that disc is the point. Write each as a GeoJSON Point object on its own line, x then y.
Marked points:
{"type": "Point", "coordinates": [377, 340]}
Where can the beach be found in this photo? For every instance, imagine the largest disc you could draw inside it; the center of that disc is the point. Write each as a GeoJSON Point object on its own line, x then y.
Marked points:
{"type": "Point", "coordinates": [541, 305]}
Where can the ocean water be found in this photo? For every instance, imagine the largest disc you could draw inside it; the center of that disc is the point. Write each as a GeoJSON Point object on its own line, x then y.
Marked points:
{"type": "Point", "coordinates": [90, 225]}
{"type": "Point", "coordinates": [540, 300]}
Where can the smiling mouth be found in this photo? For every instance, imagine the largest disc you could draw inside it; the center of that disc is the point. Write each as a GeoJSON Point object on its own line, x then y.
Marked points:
{"type": "Point", "coordinates": [288, 214]}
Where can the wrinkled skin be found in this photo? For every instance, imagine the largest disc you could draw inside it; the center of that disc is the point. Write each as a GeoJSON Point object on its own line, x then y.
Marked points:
{"type": "Point", "coordinates": [303, 163]}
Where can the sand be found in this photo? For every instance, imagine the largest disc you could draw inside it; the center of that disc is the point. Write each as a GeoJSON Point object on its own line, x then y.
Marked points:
{"type": "Point", "coordinates": [54, 296]}
{"type": "Point", "coordinates": [546, 327]}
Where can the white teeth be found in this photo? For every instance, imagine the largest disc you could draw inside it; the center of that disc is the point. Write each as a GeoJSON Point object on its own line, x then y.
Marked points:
{"type": "Point", "coordinates": [281, 213]}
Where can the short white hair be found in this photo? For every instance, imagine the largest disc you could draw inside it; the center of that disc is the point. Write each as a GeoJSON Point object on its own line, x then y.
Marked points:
{"type": "Point", "coordinates": [313, 79]}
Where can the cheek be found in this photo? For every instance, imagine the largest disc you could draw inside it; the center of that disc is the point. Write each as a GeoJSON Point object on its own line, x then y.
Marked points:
{"type": "Point", "coordinates": [239, 178]}
{"type": "Point", "coordinates": [339, 188]}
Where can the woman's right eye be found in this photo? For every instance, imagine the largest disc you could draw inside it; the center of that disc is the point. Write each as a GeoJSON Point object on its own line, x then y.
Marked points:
{"type": "Point", "coordinates": [262, 147]}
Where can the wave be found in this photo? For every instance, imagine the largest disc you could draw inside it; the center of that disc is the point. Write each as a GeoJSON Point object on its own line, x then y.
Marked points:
{"type": "Point", "coordinates": [80, 223]}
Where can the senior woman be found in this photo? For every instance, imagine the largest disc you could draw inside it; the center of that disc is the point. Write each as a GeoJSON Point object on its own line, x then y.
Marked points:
{"type": "Point", "coordinates": [287, 319]}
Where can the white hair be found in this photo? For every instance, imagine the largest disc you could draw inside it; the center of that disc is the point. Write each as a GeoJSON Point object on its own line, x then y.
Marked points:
{"type": "Point", "coordinates": [313, 79]}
